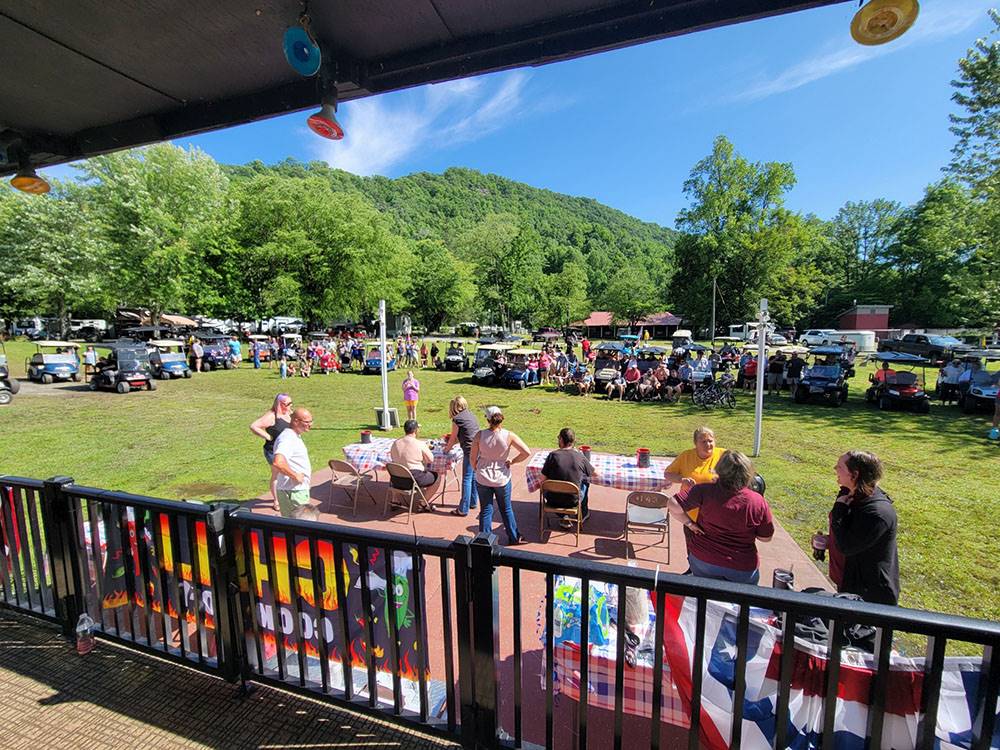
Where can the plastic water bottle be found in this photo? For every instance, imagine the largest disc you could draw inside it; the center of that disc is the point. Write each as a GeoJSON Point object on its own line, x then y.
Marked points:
{"type": "Point", "coordinates": [84, 634]}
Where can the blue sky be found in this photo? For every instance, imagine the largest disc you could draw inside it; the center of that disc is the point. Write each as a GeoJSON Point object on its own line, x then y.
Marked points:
{"type": "Point", "coordinates": [626, 127]}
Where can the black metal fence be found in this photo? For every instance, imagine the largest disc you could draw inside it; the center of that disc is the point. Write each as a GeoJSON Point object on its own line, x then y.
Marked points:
{"type": "Point", "coordinates": [439, 634]}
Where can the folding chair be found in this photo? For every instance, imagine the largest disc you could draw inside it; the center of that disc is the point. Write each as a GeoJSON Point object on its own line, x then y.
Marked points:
{"type": "Point", "coordinates": [351, 480]}
{"type": "Point", "coordinates": [647, 511]}
{"type": "Point", "coordinates": [544, 509]}
{"type": "Point", "coordinates": [414, 490]}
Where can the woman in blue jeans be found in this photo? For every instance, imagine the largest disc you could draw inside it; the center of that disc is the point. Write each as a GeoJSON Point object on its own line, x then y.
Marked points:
{"type": "Point", "coordinates": [464, 427]}
{"type": "Point", "coordinates": [491, 456]}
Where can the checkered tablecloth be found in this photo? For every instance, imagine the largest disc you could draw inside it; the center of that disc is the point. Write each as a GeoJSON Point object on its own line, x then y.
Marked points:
{"type": "Point", "coordinates": [620, 472]}
{"type": "Point", "coordinates": [375, 455]}
{"type": "Point", "coordinates": [637, 684]}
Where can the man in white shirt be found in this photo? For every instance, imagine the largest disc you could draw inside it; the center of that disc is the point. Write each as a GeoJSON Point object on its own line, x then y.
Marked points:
{"type": "Point", "coordinates": [291, 459]}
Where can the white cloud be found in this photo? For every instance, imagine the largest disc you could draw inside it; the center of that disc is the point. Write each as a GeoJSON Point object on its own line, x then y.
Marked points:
{"type": "Point", "coordinates": [936, 21]}
{"type": "Point", "coordinates": [381, 132]}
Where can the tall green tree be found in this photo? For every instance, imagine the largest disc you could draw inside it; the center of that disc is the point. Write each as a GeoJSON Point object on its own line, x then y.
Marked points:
{"type": "Point", "coordinates": [565, 297]}
{"type": "Point", "coordinates": [862, 233]}
{"type": "Point", "coordinates": [162, 207]}
{"type": "Point", "coordinates": [442, 288]}
{"type": "Point", "coordinates": [508, 265]}
{"type": "Point", "coordinates": [55, 257]}
{"type": "Point", "coordinates": [735, 212]}
{"type": "Point", "coordinates": [631, 295]}
{"type": "Point", "coordinates": [976, 153]}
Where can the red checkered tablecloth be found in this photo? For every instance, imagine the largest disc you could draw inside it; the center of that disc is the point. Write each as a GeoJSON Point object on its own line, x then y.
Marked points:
{"type": "Point", "coordinates": [620, 472]}
{"type": "Point", "coordinates": [637, 684]}
{"type": "Point", "coordinates": [375, 455]}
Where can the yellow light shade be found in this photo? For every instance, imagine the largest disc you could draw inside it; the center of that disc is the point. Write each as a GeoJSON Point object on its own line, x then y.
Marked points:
{"type": "Point", "coordinates": [27, 181]}
{"type": "Point", "coordinates": [881, 21]}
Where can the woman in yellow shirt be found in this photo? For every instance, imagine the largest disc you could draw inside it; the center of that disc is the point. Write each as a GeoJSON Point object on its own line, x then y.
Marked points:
{"type": "Point", "coordinates": [695, 465]}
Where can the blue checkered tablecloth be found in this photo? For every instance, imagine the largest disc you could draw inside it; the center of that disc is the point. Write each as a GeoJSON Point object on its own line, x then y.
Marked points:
{"type": "Point", "coordinates": [620, 472]}
{"type": "Point", "coordinates": [375, 455]}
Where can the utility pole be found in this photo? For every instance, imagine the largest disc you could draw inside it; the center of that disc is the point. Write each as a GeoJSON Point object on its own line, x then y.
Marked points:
{"type": "Point", "coordinates": [758, 420]}
{"type": "Point", "coordinates": [713, 312]}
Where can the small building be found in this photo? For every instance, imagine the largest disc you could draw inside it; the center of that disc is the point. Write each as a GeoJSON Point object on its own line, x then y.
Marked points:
{"type": "Point", "coordinates": [865, 318]}
{"type": "Point", "coordinates": [601, 325]}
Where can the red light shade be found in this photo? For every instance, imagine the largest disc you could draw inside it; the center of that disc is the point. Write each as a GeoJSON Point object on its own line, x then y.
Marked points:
{"type": "Point", "coordinates": [324, 123]}
{"type": "Point", "coordinates": [28, 181]}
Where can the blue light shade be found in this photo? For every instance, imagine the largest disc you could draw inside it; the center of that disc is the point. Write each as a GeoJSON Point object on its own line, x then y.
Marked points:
{"type": "Point", "coordinates": [300, 51]}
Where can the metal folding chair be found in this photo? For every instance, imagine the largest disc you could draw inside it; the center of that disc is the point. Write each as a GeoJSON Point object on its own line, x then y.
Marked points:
{"type": "Point", "coordinates": [647, 511]}
{"type": "Point", "coordinates": [398, 471]}
{"type": "Point", "coordinates": [573, 514]}
{"type": "Point", "coordinates": [351, 480]}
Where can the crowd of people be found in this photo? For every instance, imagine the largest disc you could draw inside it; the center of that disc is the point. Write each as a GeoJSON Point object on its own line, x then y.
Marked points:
{"type": "Point", "coordinates": [718, 497]}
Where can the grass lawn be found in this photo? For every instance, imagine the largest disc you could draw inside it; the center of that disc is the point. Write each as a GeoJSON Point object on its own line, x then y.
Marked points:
{"type": "Point", "coordinates": [190, 439]}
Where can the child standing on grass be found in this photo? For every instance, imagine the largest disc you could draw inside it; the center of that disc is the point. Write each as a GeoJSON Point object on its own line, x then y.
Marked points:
{"type": "Point", "coordinates": [411, 394]}
{"type": "Point", "coordinates": [283, 366]}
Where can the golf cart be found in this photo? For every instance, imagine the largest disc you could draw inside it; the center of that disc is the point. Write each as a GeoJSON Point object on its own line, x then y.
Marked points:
{"type": "Point", "coordinates": [699, 376]}
{"type": "Point", "coordinates": [291, 345]}
{"type": "Point", "coordinates": [217, 354]}
{"type": "Point", "coordinates": [166, 364]}
{"type": "Point", "coordinates": [607, 364]}
{"type": "Point", "coordinates": [982, 392]}
{"type": "Point", "coordinates": [373, 362]}
{"type": "Point", "coordinates": [682, 339]}
{"type": "Point", "coordinates": [518, 374]}
{"type": "Point", "coordinates": [649, 357]}
{"type": "Point", "coordinates": [8, 386]}
{"type": "Point", "coordinates": [263, 343]}
{"type": "Point", "coordinates": [46, 367]}
{"type": "Point", "coordinates": [455, 358]}
{"type": "Point", "coordinates": [902, 390]}
{"type": "Point", "coordinates": [728, 354]}
{"type": "Point", "coordinates": [825, 380]}
{"type": "Point", "coordinates": [484, 368]}
{"type": "Point", "coordinates": [126, 368]}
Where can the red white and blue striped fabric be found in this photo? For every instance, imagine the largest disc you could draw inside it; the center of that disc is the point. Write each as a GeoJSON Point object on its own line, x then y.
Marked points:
{"type": "Point", "coordinates": [959, 686]}
{"type": "Point", "coordinates": [620, 472]}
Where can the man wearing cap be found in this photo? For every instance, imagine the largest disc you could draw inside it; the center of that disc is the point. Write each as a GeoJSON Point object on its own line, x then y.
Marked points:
{"type": "Point", "coordinates": [414, 454]}
{"type": "Point", "coordinates": [291, 460]}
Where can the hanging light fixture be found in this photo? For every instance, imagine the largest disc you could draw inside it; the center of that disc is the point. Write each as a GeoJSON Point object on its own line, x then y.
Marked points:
{"type": "Point", "coordinates": [324, 123]}
{"type": "Point", "coordinates": [881, 21]}
{"type": "Point", "coordinates": [26, 179]}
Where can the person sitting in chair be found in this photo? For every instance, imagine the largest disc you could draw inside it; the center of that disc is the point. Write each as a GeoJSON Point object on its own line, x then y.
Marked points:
{"type": "Point", "coordinates": [414, 454]}
{"type": "Point", "coordinates": [568, 465]}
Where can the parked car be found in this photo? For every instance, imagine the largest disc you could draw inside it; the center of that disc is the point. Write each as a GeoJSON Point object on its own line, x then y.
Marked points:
{"type": "Point", "coordinates": [484, 366]}
{"type": "Point", "coordinates": [776, 339]}
{"type": "Point", "coordinates": [125, 368]}
{"type": "Point", "coordinates": [61, 364]}
{"type": "Point", "coordinates": [518, 374]}
{"type": "Point", "coordinates": [826, 380]}
{"type": "Point", "coordinates": [8, 385]}
{"type": "Point", "coordinates": [818, 337]}
{"type": "Point", "coordinates": [899, 390]}
{"type": "Point", "coordinates": [936, 349]}
{"type": "Point", "coordinates": [166, 364]}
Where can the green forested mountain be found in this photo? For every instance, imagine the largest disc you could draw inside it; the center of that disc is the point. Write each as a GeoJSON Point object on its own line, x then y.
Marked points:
{"type": "Point", "coordinates": [443, 206]}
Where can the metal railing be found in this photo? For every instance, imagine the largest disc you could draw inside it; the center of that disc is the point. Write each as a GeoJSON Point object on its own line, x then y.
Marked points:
{"type": "Point", "coordinates": [410, 628]}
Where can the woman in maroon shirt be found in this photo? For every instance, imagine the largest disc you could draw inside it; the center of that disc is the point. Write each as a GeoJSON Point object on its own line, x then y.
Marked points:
{"type": "Point", "coordinates": [732, 518]}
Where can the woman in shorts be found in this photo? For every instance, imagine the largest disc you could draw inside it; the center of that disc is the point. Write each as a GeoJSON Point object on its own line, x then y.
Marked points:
{"type": "Point", "coordinates": [271, 424]}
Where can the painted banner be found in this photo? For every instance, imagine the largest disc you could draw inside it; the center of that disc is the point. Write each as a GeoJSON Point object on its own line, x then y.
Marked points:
{"type": "Point", "coordinates": [293, 567]}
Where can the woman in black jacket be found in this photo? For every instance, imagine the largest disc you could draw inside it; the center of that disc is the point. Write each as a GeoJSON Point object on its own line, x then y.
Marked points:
{"type": "Point", "coordinates": [863, 525]}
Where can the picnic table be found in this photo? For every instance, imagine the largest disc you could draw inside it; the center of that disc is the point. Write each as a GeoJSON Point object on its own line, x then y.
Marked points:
{"type": "Point", "coordinates": [620, 472]}
{"type": "Point", "coordinates": [375, 455]}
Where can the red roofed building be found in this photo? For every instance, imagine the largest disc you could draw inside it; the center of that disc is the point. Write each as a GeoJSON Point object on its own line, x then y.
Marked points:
{"type": "Point", "coordinates": [601, 325]}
